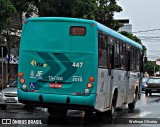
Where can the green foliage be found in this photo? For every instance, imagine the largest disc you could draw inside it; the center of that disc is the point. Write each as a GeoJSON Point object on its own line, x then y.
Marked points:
{"type": "Point", "coordinates": [99, 10]}
{"type": "Point", "coordinates": [150, 67]}
{"type": "Point", "coordinates": [6, 11]}
{"type": "Point", "coordinates": [105, 12]}
{"type": "Point", "coordinates": [133, 37]}
{"type": "Point", "coordinates": [66, 8]}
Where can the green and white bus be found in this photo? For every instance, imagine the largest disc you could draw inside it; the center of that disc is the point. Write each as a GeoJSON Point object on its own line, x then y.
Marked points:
{"type": "Point", "coordinates": [71, 63]}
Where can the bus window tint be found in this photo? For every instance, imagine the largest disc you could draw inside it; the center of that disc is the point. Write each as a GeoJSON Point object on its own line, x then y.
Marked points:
{"type": "Point", "coordinates": [117, 55]}
{"type": "Point", "coordinates": [102, 50]}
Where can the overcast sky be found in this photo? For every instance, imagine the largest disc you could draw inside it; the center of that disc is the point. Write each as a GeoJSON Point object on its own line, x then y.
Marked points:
{"type": "Point", "coordinates": [144, 15]}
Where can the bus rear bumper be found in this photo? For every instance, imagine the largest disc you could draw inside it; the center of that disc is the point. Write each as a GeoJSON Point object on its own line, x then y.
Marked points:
{"type": "Point", "coordinates": [47, 100]}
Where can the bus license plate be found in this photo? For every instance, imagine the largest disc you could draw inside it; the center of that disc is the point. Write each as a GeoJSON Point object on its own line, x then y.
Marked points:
{"type": "Point", "coordinates": [55, 85]}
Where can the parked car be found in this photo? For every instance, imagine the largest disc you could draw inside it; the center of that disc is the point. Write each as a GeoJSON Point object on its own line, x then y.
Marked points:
{"type": "Point", "coordinates": [8, 96]}
{"type": "Point", "coordinates": [144, 81]}
{"type": "Point", "coordinates": [153, 85]}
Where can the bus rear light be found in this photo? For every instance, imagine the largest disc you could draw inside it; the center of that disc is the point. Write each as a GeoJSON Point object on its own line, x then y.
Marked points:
{"type": "Point", "coordinates": [86, 90]}
{"type": "Point", "coordinates": [89, 85]}
{"type": "Point", "coordinates": [91, 79]}
{"type": "Point", "coordinates": [22, 80]}
{"type": "Point", "coordinates": [24, 87]}
{"type": "Point", "coordinates": [93, 24]}
{"type": "Point", "coordinates": [20, 74]}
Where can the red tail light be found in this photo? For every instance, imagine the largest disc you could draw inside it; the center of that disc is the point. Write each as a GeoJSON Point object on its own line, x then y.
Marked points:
{"type": "Point", "coordinates": [22, 80]}
{"type": "Point", "coordinates": [89, 85]}
{"type": "Point", "coordinates": [20, 74]}
{"type": "Point", "coordinates": [91, 79]}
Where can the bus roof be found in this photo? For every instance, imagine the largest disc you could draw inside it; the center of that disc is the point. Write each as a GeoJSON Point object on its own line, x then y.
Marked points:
{"type": "Point", "coordinates": [118, 36]}
{"type": "Point", "coordinates": [100, 27]}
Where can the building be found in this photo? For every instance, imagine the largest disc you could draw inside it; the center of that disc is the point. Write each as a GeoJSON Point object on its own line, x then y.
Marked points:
{"type": "Point", "coordinates": [126, 26]}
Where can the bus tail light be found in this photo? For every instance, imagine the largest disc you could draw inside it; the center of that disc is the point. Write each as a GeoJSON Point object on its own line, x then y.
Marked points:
{"type": "Point", "coordinates": [89, 85]}
{"type": "Point", "coordinates": [22, 80]}
{"type": "Point", "coordinates": [24, 87]}
{"type": "Point", "coordinates": [91, 79]}
{"type": "Point", "coordinates": [86, 91]}
{"type": "Point", "coordinates": [20, 74]}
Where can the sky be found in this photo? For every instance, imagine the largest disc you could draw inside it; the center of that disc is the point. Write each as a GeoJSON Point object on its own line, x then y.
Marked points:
{"type": "Point", "coordinates": [144, 15]}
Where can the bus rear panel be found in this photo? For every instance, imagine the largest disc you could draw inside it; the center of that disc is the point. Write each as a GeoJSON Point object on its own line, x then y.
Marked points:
{"type": "Point", "coordinates": [57, 63]}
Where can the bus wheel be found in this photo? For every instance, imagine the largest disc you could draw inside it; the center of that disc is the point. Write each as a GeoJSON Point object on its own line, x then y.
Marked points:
{"type": "Point", "coordinates": [57, 111]}
{"type": "Point", "coordinates": [112, 111]}
{"type": "Point", "coordinates": [132, 105]}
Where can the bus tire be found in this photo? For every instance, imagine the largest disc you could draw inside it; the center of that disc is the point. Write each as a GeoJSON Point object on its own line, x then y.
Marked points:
{"type": "Point", "coordinates": [132, 105]}
{"type": "Point", "coordinates": [112, 111]}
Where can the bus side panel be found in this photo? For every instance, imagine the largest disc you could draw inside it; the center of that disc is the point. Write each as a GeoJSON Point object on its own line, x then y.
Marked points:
{"type": "Point", "coordinates": [133, 83]}
{"type": "Point", "coordinates": [119, 81]}
{"type": "Point", "coordinates": [103, 90]}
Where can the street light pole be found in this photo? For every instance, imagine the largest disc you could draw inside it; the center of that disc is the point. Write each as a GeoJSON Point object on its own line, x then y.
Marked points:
{"type": "Point", "coordinates": [2, 64]}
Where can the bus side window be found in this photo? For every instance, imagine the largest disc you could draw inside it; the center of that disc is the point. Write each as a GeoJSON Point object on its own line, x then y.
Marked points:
{"type": "Point", "coordinates": [102, 50]}
{"type": "Point", "coordinates": [117, 55]}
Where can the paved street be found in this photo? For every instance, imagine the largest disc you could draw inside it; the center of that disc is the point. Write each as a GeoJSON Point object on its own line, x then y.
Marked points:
{"type": "Point", "coordinates": [147, 108]}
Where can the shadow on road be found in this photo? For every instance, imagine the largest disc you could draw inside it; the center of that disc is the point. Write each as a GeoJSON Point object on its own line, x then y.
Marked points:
{"type": "Point", "coordinates": [79, 121]}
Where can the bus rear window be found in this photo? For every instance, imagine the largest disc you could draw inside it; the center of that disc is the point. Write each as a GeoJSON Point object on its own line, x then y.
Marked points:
{"type": "Point", "coordinates": [77, 30]}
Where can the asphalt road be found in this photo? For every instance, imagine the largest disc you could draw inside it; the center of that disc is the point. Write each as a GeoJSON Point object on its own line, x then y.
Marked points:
{"type": "Point", "coordinates": [146, 114]}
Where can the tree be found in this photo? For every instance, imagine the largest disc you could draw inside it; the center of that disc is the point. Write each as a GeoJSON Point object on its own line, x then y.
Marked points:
{"type": "Point", "coordinates": [150, 67]}
{"type": "Point", "coordinates": [66, 8]}
{"type": "Point", "coordinates": [99, 10]}
{"type": "Point", "coordinates": [133, 37]}
{"type": "Point", "coordinates": [7, 10]}
{"type": "Point", "coordinates": [105, 12]}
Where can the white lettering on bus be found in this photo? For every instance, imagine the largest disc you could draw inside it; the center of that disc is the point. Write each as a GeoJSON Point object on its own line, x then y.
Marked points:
{"type": "Point", "coordinates": [55, 78]}
{"type": "Point", "coordinates": [77, 64]}
{"type": "Point", "coordinates": [77, 79]}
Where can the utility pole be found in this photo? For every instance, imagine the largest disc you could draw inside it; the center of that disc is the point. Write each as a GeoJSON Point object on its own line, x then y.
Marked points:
{"type": "Point", "coordinates": [2, 65]}
{"type": "Point", "coordinates": [3, 53]}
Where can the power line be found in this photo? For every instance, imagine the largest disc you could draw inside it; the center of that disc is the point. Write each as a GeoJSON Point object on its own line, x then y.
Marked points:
{"type": "Point", "coordinates": [149, 37]}
{"type": "Point", "coordinates": [146, 31]}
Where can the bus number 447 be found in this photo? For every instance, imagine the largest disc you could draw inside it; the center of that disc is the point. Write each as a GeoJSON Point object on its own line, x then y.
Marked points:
{"type": "Point", "coordinates": [77, 64]}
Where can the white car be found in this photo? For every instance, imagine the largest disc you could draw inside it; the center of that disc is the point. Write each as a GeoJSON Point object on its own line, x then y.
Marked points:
{"type": "Point", "coordinates": [8, 96]}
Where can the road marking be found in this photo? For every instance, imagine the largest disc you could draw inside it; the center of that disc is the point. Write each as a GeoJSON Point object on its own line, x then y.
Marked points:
{"type": "Point", "coordinates": [142, 114]}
